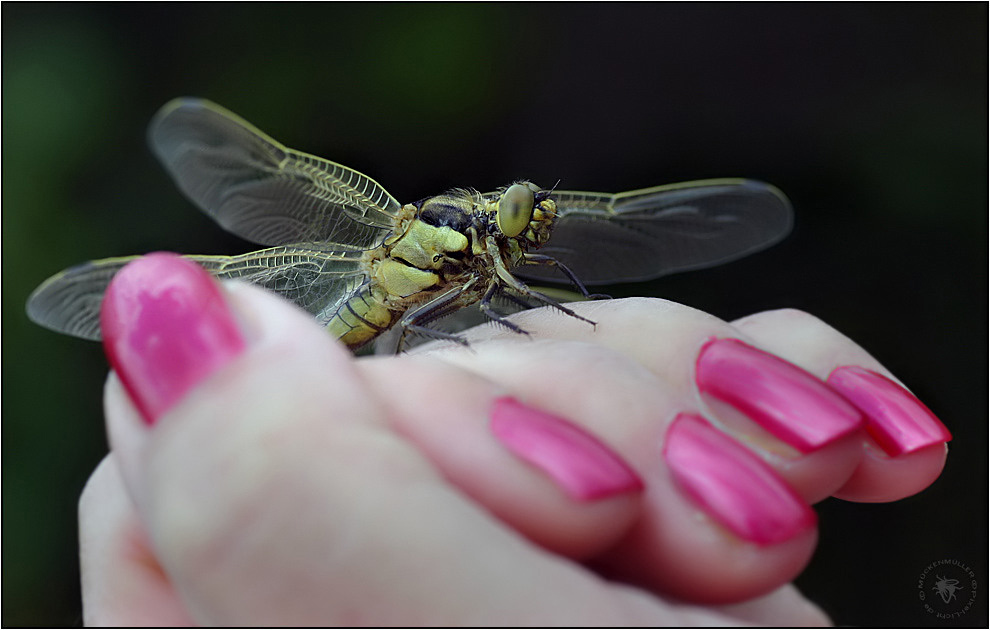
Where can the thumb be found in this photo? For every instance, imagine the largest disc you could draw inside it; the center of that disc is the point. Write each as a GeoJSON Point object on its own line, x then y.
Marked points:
{"type": "Point", "coordinates": [274, 493]}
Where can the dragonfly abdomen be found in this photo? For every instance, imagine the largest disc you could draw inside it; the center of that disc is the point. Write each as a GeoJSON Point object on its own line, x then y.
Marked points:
{"type": "Point", "coordinates": [362, 317]}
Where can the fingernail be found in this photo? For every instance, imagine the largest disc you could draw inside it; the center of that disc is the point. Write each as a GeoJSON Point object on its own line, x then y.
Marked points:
{"type": "Point", "coordinates": [793, 405]}
{"type": "Point", "coordinates": [578, 462]}
{"type": "Point", "coordinates": [732, 485]}
{"type": "Point", "coordinates": [165, 327]}
{"type": "Point", "coordinates": [899, 422]}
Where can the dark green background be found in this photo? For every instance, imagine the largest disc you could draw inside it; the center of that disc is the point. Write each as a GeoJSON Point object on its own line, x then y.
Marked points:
{"type": "Point", "coordinates": [873, 118]}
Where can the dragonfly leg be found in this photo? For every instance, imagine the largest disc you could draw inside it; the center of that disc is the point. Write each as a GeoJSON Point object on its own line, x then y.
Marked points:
{"type": "Point", "coordinates": [515, 299]}
{"type": "Point", "coordinates": [432, 333]}
{"type": "Point", "coordinates": [416, 320]}
{"type": "Point", "coordinates": [540, 259]}
{"type": "Point", "coordinates": [489, 312]}
{"type": "Point", "coordinates": [549, 301]}
{"type": "Point", "coordinates": [506, 277]}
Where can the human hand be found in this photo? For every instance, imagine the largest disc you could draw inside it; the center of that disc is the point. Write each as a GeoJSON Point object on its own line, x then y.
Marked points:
{"type": "Point", "coordinates": [564, 478]}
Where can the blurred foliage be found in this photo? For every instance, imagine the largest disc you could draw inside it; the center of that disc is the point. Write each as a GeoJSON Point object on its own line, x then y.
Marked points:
{"type": "Point", "coordinates": [873, 118]}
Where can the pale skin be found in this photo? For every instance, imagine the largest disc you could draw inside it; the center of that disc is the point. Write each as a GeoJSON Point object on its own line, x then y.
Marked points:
{"type": "Point", "coordinates": [301, 486]}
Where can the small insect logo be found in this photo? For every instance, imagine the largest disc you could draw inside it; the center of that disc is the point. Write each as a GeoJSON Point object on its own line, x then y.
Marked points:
{"type": "Point", "coordinates": [946, 588]}
{"type": "Point", "coordinates": [954, 583]}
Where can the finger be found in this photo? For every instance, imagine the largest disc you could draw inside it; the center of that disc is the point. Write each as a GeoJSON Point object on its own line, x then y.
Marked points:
{"type": "Point", "coordinates": [630, 407]}
{"type": "Point", "coordinates": [904, 448]}
{"type": "Point", "coordinates": [122, 582]}
{"type": "Point", "coordinates": [274, 492]}
{"type": "Point", "coordinates": [447, 413]}
{"type": "Point", "coordinates": [815, 450]}
{"type": "Point", "coordinates": [783, 607]}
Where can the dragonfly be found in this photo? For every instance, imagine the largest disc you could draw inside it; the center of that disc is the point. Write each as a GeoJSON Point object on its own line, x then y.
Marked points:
{"type": "Point", "coordinates": [341, 247]}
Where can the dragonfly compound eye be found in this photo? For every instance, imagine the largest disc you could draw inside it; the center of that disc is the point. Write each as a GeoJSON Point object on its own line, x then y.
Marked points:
{"type": "Point", "coordinates": [515, 209]}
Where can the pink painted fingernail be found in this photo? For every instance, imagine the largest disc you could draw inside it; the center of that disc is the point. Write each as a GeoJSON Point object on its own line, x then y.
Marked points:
{"type": "Point", "coordinates": [899, 422]}
{"type": "Point", "coordinates": [787, 401]}
{"type": "Point", "coordinates": [165, 328]}
{"type": "Point", "coordinates": [577, 461]}
{"type": "Point", "coordinates": [732, 485]}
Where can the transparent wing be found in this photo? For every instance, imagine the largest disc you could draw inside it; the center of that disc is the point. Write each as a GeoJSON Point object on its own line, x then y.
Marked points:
{"type": "Point", "coordinates": [644, 234]}
{"type": "Point", "coordinates": [259, 189]}
{"type": "Point", "coordinates": [317, 280]}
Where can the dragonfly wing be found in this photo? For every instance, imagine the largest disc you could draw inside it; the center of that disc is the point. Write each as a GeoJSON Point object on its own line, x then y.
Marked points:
{"type": "Point", "coordinates": [645, 234]}
{"type": "Point", "coordinates": [69, 302]}
{"type": "Point", "coordinates": [259, 189]}
{"type": "Point", "coordinates": [318, 281]}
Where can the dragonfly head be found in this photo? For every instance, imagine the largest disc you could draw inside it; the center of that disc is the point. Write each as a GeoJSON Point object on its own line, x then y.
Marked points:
{"type": "Point", "coordinates": [525, 211]}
